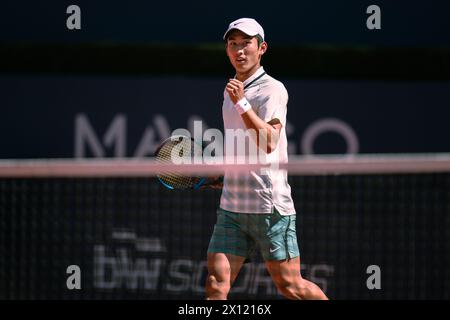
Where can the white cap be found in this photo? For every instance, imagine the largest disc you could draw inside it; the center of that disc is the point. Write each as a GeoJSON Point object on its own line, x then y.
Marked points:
{"type": "Point", "coordinates": [246, 25]}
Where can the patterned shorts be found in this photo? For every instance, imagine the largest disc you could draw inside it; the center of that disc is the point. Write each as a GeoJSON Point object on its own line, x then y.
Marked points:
{"type": "Point", "coordinates": [240, 233]}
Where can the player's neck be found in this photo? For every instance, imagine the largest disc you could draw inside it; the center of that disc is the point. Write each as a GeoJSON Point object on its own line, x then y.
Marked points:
{"type": "Point", "coordinates": [242, 76]}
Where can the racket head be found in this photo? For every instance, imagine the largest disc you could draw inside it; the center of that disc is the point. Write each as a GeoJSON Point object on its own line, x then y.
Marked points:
{"type": "Point", "coordinates": [173, 150]}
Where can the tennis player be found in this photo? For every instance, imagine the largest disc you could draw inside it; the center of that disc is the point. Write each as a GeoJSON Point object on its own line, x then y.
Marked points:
{"type": "Point", "coordinates": [256, 210]}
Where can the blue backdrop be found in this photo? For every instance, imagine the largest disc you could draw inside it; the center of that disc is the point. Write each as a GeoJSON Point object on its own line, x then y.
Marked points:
{"type": "Point", "coordinates": [43, 116]}
{"type": "Point", "coordinates": [403, 23]}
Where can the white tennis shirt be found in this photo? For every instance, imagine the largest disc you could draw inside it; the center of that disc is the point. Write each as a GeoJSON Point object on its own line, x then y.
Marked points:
{"type": "Point", "coordinates": [254, 191]}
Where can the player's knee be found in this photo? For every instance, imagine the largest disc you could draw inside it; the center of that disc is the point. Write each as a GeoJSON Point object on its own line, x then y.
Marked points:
{"type": "Point", "coordinates": [217, 288]}
{"type": "Point", "coordinates": [295, 291]}
{"type": "Point", "coordinates": [289, 292]}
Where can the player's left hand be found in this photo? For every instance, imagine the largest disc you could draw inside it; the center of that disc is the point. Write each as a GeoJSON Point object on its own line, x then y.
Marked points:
{"type": "Point", "coordinates": [235, 89]}
{"type": "Point", "coordinates": [215, 182]}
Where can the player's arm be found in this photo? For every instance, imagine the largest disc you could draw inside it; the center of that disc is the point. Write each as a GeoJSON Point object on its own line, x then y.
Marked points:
{"type": "Point", "coordinates": [270, 129]}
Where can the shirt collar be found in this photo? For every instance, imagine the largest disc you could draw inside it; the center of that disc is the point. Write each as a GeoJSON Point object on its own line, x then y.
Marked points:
{"type": "Point", "coordinates": [254, 76]}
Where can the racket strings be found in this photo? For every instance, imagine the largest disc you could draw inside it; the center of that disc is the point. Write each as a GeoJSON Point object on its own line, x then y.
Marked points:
{"type": "Point", "coordinates": [182, 148]}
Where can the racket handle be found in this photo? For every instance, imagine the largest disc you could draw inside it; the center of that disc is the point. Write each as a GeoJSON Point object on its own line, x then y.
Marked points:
{"type": "Point", "coordinates": [214, 182]}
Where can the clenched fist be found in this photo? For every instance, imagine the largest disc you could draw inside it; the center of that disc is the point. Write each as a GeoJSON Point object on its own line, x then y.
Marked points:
{"type": "Point", "coordinates": [235, 89]}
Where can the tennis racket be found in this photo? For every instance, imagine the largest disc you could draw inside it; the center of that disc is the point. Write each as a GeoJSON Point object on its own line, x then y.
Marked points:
{"type": "Point", "coordinates": [182, 148]}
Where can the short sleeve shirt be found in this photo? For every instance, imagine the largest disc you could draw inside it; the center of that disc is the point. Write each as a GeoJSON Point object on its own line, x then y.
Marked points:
{"type": "Point", "coordinates": [256, 191]}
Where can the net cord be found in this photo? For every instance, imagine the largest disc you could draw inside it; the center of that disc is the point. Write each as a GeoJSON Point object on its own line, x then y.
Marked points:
{"type": "Point", "coordinates": [297, 165]}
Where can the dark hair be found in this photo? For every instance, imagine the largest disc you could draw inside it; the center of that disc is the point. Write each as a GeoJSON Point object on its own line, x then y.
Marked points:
{"type": "Point", "coordinates": [258, 38]}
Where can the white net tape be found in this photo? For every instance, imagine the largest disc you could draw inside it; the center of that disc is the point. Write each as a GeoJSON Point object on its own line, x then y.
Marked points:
{"type": "Point", "coordinates": [298, 165]}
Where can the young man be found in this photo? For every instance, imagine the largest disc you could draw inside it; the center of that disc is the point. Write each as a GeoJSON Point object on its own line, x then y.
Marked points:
{"type": "Point", "coordinates": [256, 210]}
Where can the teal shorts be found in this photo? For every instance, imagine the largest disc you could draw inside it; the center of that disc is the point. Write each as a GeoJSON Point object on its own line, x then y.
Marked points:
{"type": "Point", "coordinates": [240, 233]}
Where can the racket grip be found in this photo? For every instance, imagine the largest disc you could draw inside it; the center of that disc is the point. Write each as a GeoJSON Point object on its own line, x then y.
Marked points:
{"type": "Point", "coordinates": [214, 182]}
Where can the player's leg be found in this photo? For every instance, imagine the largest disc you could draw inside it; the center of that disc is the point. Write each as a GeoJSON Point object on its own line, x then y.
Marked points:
{"type": "Point", "coordinates": [288, 280]}
{"type": "Point", "coordinates": [223, 269]}
{"type": "Point", "coordinates": [277, 238]}
{"type": "Point", "coordinates": [228, 248]}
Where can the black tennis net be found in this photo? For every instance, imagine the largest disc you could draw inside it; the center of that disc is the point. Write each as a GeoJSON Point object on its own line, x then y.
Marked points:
{"type": "Point", "coordinates": [131, 238]}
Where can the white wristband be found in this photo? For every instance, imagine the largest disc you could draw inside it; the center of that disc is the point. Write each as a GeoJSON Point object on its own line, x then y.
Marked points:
{"type": "Point", "coordinates": [242, 106]}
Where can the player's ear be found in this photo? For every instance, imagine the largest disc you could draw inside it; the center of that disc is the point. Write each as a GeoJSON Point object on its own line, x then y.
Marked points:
{"type": "Point", "coordinates": [263, 47]}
